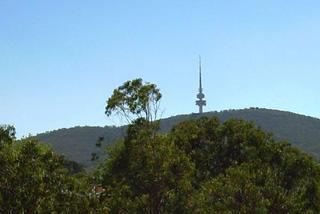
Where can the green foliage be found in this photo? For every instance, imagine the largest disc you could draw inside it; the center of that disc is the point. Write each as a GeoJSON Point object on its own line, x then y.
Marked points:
{"type": "Point", "coordinates": [72, 166]}
{"type": "Point", "coordinates": [204, 166]}
{"type": "Point", "coordinates": [78, 143]}
{"type": "Point", "coordinates": [34, 180]}
{"type": "Point", "coordinates": [200, 166]}
{"type": "Point", "coordinates": [250, 188]}
{"type": "Point", "coordinates": [195, 138]}
{"type": "Point", "coordinates": [146, 173]}
{"type": "Point", "coordinates": [240, 169]}
{"type": "Point", "coordinates": [135, 99]}
{"type": "Point", "coordinates": [7, 134]}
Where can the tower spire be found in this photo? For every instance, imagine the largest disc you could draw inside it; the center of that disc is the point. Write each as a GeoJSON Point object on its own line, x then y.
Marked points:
{"type": "Point", "coordinates": [200, 82]}
{"type": "Point", "coordinates": [201, 101]}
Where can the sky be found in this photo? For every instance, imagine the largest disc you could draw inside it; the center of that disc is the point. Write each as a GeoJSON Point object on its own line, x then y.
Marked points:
{"type": "Point", "coordinates": [60, 60]}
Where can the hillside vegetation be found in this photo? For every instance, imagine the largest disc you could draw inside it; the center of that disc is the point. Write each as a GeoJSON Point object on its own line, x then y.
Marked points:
{"type": "Point", "coordinates": [195, 164]}
{"type": "Point", "coordinates": [78, 143]}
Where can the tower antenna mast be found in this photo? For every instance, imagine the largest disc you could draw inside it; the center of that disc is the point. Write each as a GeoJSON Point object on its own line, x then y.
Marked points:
{"type": "Point", "coordinates": [201, 101]}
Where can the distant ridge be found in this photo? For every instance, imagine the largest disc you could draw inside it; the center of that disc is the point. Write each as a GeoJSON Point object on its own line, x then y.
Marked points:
{"type": "Point", "coordinates": [78, 143]}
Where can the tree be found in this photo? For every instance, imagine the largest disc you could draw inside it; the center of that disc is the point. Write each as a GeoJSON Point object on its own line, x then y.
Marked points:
{"type": "Point", "coordinates": [241, 169]}
{"type": "Point", "coordinates": [146, 174]}
{"type": "Point", "coordinates": [203, 166]}
{"type": "Point", "coordinates": [135, 99]}
{"type": "Point", "coordinates": [249, 188]}
{"type": "Point", "coordinates": [7, 134]}
{"type": "Point", "coordinates": [33, 180]}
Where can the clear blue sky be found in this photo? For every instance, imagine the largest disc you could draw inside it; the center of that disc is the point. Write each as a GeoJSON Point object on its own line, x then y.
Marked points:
{"type": "Point", "coordinates": [60, 60]}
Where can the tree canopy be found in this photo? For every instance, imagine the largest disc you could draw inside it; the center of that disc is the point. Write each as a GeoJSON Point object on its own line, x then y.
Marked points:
{"type": "Point", "coordinates": [204, 166]}
{"type": "Point", "coordinates": [200, 166]}
{"type": "Point", "coordinates": [33, 179]}
{"type": "Point", "coordinates": [135, 99]}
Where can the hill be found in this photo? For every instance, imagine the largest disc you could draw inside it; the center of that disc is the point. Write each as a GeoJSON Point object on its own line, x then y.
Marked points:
{"type": "Point", "coordinates": [78, 143]}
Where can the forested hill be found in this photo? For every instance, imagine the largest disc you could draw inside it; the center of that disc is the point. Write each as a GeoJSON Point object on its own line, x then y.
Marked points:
{"type": "Point", "coordinates": [79, 142]}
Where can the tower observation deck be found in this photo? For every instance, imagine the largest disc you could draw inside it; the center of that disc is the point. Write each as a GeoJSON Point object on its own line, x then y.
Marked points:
{"type": "Point", "coordinates": [201, 101]}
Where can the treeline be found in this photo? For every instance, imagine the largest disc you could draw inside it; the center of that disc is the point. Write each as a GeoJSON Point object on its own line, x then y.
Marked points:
{"type": "Point", "coordinates": [199, 166]}
{"type": "Point", "coordinates": [33, 179]}
{"type": "Point", "coordinates": [203, 166]}
{"type": "Point", "coordinates": [79, 142]}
